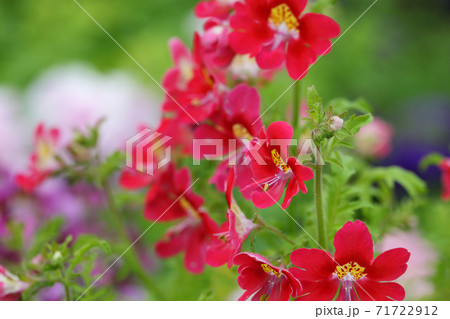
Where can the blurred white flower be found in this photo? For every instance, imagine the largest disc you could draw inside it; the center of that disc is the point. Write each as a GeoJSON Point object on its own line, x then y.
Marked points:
{"type": "Point", "coordinates": [421, 265]}
{"type": "Point", "coordinates": [77, 96]}
{"type": "Point", "coordinates": [13, 141]}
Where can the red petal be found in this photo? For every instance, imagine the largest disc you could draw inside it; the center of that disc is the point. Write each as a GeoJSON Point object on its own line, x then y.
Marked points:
{"type": "Point", "coordinates": [297, 6]}
{"type": "Point", "coordinates": [316, 264]}
{"type": "Point", "coordinates": [194, 259]}
{"type": "Point", "coordinates": [131, 179]}
{"type": "Point", "coordinates": [301, 173]}
{"type": "Point", "coordinates": [268, 58]}
{"type": "Point", "coordinates": [315, 26]}
{"type": "Point", "coordinates": [229, 187]}
{"type": "Point", "coordinates": [178, 50]}
{"type": "Point", "coordinates": [353, 242]}
{"type": "Point", "coordinates": [264, 199]}
{"type": "Point", "coordinates": [389, 265]}
{"type": "Point", "coordinates": [242, 106]}
{"type": "Point", "coordinates": [173, 242]}
{"type": "Point", "coordinates": [291, 191]}
{"type": "Point", "coordinates": [298, 59]}
{"type": "Point", "coordinates": [368, 290]}
{"type": "Point", "coordinates": [322, 290]}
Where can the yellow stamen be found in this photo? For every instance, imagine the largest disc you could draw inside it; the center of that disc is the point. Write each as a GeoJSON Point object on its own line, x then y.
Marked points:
{"type": "Point", "coordinates": [279, 161]}
{"type": "Point", "coordinates": [353, 268]}
{"type": "Point", "coordinates": [188, 207]}
{"type": "Point", "coordinates": [282, 13]}
{"type": "Point", "coordinates": [270, 270]}
{"type": "Point", "coordinates": [240, 132]}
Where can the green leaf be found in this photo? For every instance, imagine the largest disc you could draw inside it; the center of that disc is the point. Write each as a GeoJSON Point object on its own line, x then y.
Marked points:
{"type": "Point", "coordinates": [335, 161]}
{"type": "Point", "coordinates": [395, 174]}
{"type": "Point", "coordinates": [432, 159]}
{"type": "Point", "coordinates": [344, 144]}
{"type": "Point", "coordinates": [112, 164]}
{"type": "Point", "coordinates": [354, 124]}
{"type": "Point", "coordinates": [341, 105]}
{"type": "Point", "coordinates": [45, 234]}
{"type": "Point", "coordinates": [83, 245]}
{"type": "Point", "coordinates": [314, 103]}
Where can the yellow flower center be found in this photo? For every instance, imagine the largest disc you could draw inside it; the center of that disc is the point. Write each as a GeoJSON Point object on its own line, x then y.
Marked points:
{"type": "Point", "coordinates": [282, 13]}
{"type": "Point", "coordinates": [241, 132]}
{"type": "Point", "coordinates": [187, 73]}
{"type": "Point", "coordinates": [279, 161]}
{"type": "Point", "coordinates": [270, 270]}
{"type": "Point", "coordinates": [350, 268]}
{"type": "Point", "coordinates": [188, 207]}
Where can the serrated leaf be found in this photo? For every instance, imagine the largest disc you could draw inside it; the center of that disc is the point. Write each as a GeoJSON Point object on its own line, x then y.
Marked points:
{"type": "Point", "coordinates": [314, 103]}
{"type": "Point", "coordinates": [354, 124]}
{"type": "Point", "coordinates": [341, 105]}
{"type": "Point", "coordinates": [45, 234]}
{"type": "Point", "coordinates": [83, 245]}
{"type": "Point", "coordinates": [395, 174]}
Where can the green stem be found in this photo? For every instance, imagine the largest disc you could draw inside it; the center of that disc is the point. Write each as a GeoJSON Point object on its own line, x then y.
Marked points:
{"type": "Point", "coordinates": [321, 225]}
{"type": "Point", "coordinates": [273, 230]}
{"type": "Point", "coordinates": [66, 286]}
{"type": "Point", "coordinates": [296, 105]}
{"type": "Point", "coordinates": [131, 255]}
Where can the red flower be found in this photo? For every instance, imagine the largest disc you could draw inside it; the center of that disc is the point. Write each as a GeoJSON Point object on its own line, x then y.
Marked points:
{"type": "Point", "coordinates": [168, 200]}
{"type": "Point", "coordinates": [264, 281]}
{"type": "Point", "coordinates": [272, 169]}
{"type": "Point", "coordinates": [192, 93]}
{"type": "Point", "coordinates": [215, 8]}
{"type": "Point", "coordinates": [42, 162]}
{"type": "Point", "coordinates": [353, 271]}
{"type": "Point", "coordinates": [228, 242]}
{"type": "Point", "coordinates": [10, 286]}
{"type": "Point", "coordinates": [192, 236]}
{"type": "Point", "coordinates": [445, 167]}
{"type": "Point", "coordinates": [215, 48]}
{"type": "Point", "coordinates": [161, 202]}
{"type": "Point", "coordinates": [233, 123]}
{"type": "Point", "coordinates": [274, 31]}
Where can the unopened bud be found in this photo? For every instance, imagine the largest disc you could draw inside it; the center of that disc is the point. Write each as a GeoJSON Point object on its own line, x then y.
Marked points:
{"type": "Point", "coordinates": [336, 123]}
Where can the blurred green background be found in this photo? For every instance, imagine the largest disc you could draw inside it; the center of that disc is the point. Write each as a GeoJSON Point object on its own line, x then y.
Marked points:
{"type": "Point", "coordinates": [398, 52]}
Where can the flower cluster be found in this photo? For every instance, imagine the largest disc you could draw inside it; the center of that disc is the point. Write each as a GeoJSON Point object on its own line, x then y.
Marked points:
{"type": "Point", "coordinates": [207, 102]}
{"type": "Point", "coordinates": [212, 110]}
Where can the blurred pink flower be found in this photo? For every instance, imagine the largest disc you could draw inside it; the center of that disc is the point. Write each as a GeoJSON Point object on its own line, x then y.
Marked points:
{"type": "Point", "coordinates": [445, 167]}
{"type": "Point", "coordinates": [13, 150]}
{"type": "Point", "coordinates": [76, 96]}
{"type": "Point", "coordinates": [421, 265]}
{"type": "Point", "coordinates": [375, 139]}
{"type": "Point", "coordinates": [11, 287]}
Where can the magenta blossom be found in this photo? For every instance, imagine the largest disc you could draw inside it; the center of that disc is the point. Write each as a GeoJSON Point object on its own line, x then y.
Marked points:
{"type": "Point", "coordinates": [264, 281]}
{"type": "Point", "coordinates": [192, 92]}
{"type": "Point", "coordinates": [272, 169]}
{"type": "Point", "coordinates": [11, 287]}
{"type": "Point", "coordinates": [275, 31]}
{"type": "Point", "coordinates": [228, 242]}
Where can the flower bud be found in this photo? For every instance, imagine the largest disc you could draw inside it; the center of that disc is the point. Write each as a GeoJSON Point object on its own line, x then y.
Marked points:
{"type": "Point", "coordinates": [336, 124]}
